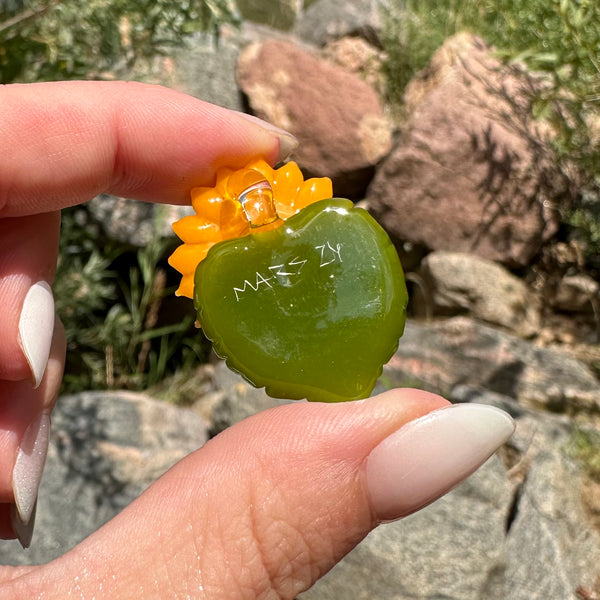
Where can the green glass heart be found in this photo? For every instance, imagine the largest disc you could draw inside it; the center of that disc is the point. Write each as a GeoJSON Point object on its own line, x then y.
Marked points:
{"type": "Point", "coordinates": [312, 309]}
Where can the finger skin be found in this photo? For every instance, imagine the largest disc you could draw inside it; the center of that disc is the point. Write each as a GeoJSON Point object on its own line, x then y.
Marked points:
{"type": "Point", "coordinates": [70, 141]}
{"type": "Point", "coordinates": [261, 511]}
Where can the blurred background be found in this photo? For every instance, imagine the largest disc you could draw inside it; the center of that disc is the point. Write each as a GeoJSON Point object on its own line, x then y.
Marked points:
{"type": "Point", "coordinates": [471, 131]}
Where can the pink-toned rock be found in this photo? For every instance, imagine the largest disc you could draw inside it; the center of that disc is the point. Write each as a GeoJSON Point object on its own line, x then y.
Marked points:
{"type": "Point", "coordinates": [472, 174]}
{"type": "Point", "coordinates": [336, 116]}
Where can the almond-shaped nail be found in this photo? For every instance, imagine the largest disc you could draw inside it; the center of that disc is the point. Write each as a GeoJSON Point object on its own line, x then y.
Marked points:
{"type": "Point", "coordinates": [23, 531]}
{"type": "Point", "coordinates": [36, 326]}
{"type": "Point", "coordinates": [287, 142]}
{"type": "Point", "coordinates": [429, 456]}
{"type": "Point", "coordinates": [29, 466]}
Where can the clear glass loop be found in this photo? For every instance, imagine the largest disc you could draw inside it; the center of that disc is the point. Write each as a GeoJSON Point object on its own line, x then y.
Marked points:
{"type": "Point", "coordinates": [258, 204]}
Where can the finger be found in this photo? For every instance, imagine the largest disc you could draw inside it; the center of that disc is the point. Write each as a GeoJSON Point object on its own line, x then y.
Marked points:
{"type": "Point", "coordinates": [28, 252]}
{"type": "Point", "coordinates": [24, 436]}
{"type": "Point", "coordinates": [70, 141]}
{"type": "Point", "coordinates": [271, 504]}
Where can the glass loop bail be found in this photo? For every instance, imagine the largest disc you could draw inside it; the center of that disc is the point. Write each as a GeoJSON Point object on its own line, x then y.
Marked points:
{"type": "Point", "coordinates": [258, 204]}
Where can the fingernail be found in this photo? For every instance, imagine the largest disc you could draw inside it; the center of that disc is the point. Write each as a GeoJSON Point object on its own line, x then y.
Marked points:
{"type": "Point", "coordinates": [23, 531]}
{"type": "Point", "coordinates": [36, 325]}
{"type": "Point", "coordinates": [287, 142]}
{"type": "Point", "coordinates": [429, 456]}
{"type": "Point", "coordinates": [29, 466]}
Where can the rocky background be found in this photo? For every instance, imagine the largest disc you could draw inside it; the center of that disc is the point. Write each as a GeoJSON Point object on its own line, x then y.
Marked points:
{"type": "Point", "coordinates": [467, 189]}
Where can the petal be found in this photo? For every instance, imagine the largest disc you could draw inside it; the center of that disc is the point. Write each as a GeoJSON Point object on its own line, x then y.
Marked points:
{"type": "Point", "coordinates": [187, 257]}
{"type": "Point", "coordinates": [207, 203]}
{"type": "Point", "coordinates": [287, 182]}
{"type": "Point", "coordinates": [186, 287]}
{"type": "Point", "coordinates": [315, 189]}
{"type": "Point", "coordinates": [263, 167]}
{"type": "Point", "coordinates": [196, 230]}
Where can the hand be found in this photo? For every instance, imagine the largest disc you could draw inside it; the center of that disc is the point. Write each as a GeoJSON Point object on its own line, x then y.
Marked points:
{"type": "Point", "coordinates": [268, 506]}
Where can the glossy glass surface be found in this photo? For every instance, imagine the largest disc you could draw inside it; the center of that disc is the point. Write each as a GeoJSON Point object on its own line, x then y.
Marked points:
{"type": "Point", "coordinates": [312, 309]}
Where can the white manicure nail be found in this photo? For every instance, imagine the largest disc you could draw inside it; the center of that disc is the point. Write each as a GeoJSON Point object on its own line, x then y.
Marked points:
{"type": "Point", "coordinates": [36, 326]}
{"type": "Point", "coordinates": [23, 531]}
{"type": "Point", "coordinates": [29, 466]}
{"type": "Point", "coordinates": [429, 456]}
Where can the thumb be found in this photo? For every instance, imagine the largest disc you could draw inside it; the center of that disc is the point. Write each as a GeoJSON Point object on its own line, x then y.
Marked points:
{"type": "Point", "coordinates": [267, 507]}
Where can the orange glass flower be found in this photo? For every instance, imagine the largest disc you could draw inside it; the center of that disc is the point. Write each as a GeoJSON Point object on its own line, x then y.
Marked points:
{"type": "Point", "coordinates": [254, 198]}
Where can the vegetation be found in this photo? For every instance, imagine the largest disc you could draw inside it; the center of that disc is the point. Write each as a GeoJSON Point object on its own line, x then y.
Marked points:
{"type": "Point", "coordinates": [584, 446]}
{"type": "Point", "coordinates": [44, 40]}
{"type": "Point", "coordinates": [110, 302]}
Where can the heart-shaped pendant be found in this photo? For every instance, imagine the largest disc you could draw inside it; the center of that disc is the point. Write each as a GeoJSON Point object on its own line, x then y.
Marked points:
{"type": "Point", "coordinates": [310, 307]}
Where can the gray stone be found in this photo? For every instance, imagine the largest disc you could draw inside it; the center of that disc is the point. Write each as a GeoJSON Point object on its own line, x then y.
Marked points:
{"type": "Point", "coordinates": [238, 399]}
{"type": "Point", "coordinates": [279, 14]}
{"type": "Point", "coordinates": [205, 67]}
{"type": "Point", "coordinates": [549, 525]}
{"type": "Point", "coordinates": [328, 20]}
{"type": "Point", "coordinates": [576, 293]}
{"type": "Point", "coordinates": [441, 355]}
{"type": "Point", "coordinates": [465, 283]}
{"type": "Point", "coordinates": [452, 549]}
{"type": "Point", "coordinates": [105, 450]}
{"type": "Point", "coordinates": [132, 222]}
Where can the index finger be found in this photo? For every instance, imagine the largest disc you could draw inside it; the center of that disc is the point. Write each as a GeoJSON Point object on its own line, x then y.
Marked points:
{"type": "Point", "coordinates": [63, 143]}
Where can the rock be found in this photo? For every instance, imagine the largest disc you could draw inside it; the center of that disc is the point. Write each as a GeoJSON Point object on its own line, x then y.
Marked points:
{"type": "Point", "coordinates": [336, 116]}
{"type": "Point", "coordinates": [279, 14]}
{"type": "Point", "coordinates": [451, 549]}
{"type": "Point", "coordinates": [468, 175]}
{"type": "Point", "coordinates": [205, 67]}
{"type": "Point", "coordinates": [105, 450]}
{"type": "Point", "coordinates": [327, 20]}
{"type": "Point", "coordinates": [576, 293]}
{"type": "Point", "coordinates": [357, 56]}
{"type": "Point", "coordinates": [549, 525]}
{"type": "Point", "coordinates": [134, 223]}
{"type": "Point", "coordinates": [440, 355]}
{"type": "Point", "coordinates": [462, 282]}
{"type": "Point", "coordinates": [238, 399]}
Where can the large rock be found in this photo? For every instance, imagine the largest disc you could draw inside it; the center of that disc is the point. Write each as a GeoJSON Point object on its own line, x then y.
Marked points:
{"type": "Point", "coordinates": [205, 67]}
{"type": "Point", "coordinates": [465, 283]}
{"type": "Point", "coordinates": [451, 549]}
{"type": "Point", "coordinates": [105, 450]}
{"type": "Point", "coordinates": [131, 222]}
{"type": "Point", "coordinates": [575, 293]}
{"type": "Point", "coordinates": [279, 14]}
{"type": "Point", "coordinates": [336, 116]}
{"type": "Point", "coordinates": [440, 355]}
{"type": "Point", "coordinates": [470, 175]}
{"type": "Point", "coordinates": [327, 20]}
{"type": "Point", "coordinates": [358, 56]}
{"type": "Point", "coordinates": [237, 401]}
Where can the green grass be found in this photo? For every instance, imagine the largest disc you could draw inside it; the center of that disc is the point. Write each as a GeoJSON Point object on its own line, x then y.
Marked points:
{"type": "Point", "coordinates": [124, 327]}
{"type": "Point", "coordinates": [584, 446]}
